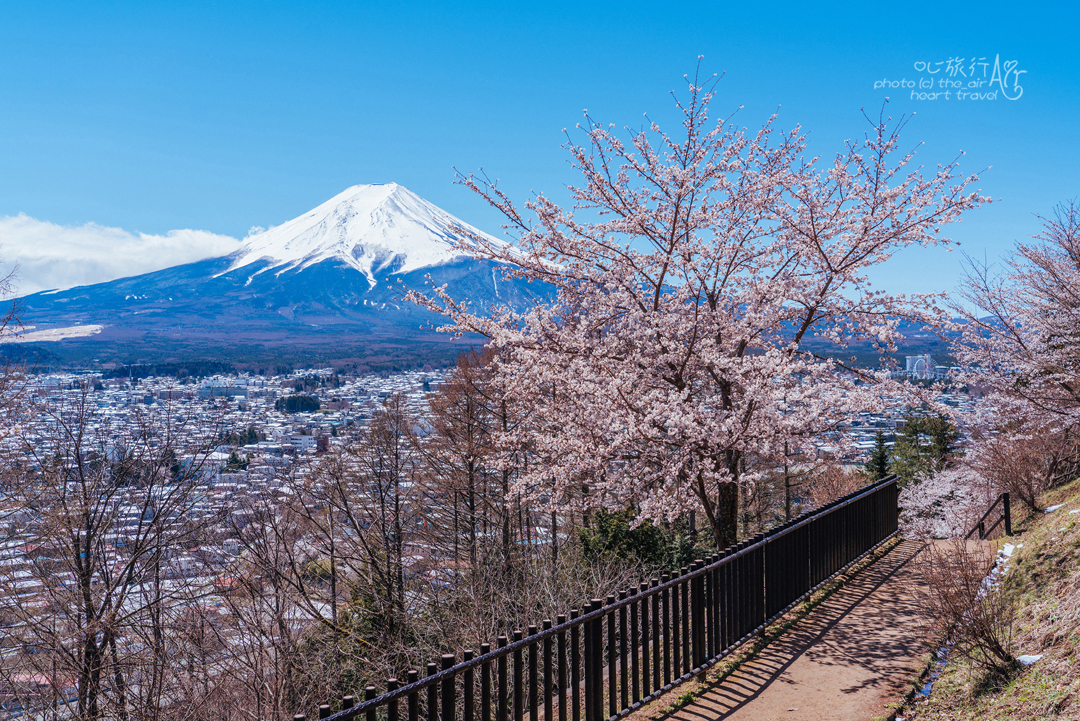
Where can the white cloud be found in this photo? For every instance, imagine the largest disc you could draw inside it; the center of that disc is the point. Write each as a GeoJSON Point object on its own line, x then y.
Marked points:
{"type": "Point", "coordinates": [59, 256]}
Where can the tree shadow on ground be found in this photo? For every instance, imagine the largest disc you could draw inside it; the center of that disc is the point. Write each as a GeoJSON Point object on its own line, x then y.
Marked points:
{"type": "Point", "coordinates": [859, 642]}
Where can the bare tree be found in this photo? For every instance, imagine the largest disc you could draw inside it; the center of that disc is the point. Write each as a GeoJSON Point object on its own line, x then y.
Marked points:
{"type": "Point", "coordinates": [271, 609]}
{"type": "Point", "coordinates": [103, 509]}
{"type": "Point", "coordinates": [461, 468]}
{"type": "Point", "coordinates": [333, 558]}
{"type": "Point", "coordinates": [1028, 460]}
{"type": "Point", "coordinates": [962, 604]}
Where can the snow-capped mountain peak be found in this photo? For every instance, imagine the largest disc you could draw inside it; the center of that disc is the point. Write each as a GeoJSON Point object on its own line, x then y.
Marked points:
{"type": "Point", "coordinates": [377, 229]}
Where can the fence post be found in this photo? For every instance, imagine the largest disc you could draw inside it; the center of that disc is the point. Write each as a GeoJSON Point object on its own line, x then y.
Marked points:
{"type": "Point", "coordinates": [468, 702]}
{"type": "Point", "coordinates": [533, 667]}
{"type": "Point", "coordinates": [447, 692]}
{"type": "Point", "coordinates": [485, 684]}
{"type": "Point", "coordinates": [519, 679]}
{"type": "Point", "coordinates": [676, 627]}
{"type": "Point", "coordinates": [392, 707]}
{"type": "Point", "coordinates": [414, 697]}
{"type": "Point", "coordinates": [548, 711]}
{"type": "Point", "coordinates": [709, 599]}
{"type": "Point", "coordinates": [575, 667]}
{"type": "Point", "coordinates": [697, 614]}
{"type": "Point", "coordinates": [623, 672]}
{"type": "Point", "coordinates": [500, 671]}
{"type": "Point", "coordinates": [713, 599]}
{"type": "Point", "coordinates": [586, 661]}
{"type": "Point", "coordinates": [432, 694]}
{"type": "Point", "coordinates": [665, 624]}
{"type": "Point", "coordinates": [684, 613]}
{"type": "Point", "coordinates": [598, 662]}
{"type": "Point", "coordinates": [1008, 513]}
{"type": "Point", "coordinates": [635, 641]}
{"type": "Point", "coordinates": [369, 694]}
{"type": "Point", "coordinates": [760, 610]}
{"type": "Point", "coordinates": [560, 652]}
{"type": "Point", "coordinates": [612, 648]}
{"type": "Point", "coordinates": [657, 630]}
{"type": "Point", "coordinates": [646, 659]}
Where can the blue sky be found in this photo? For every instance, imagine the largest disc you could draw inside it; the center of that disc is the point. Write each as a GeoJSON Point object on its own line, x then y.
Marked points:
{"type": "Point", "coordinates": [152, 117]}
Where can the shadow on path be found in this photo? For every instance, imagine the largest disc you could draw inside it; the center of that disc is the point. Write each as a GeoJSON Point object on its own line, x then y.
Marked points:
{"type": "Point", "coordinates": [839, 662]}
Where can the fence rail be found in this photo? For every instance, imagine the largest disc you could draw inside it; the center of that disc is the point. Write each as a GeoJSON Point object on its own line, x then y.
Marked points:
{"type": "Point", "coordinates": [616, 654]}
{"type": "Point", "coordinates": [1005, 517]}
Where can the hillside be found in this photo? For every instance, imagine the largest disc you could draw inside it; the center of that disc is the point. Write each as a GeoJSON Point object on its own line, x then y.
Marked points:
{"type": "Point", "coordinates": [1043, 585]}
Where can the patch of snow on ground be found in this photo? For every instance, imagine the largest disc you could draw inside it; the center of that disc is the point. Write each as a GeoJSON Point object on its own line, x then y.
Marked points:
{"type": "Point", "coordinates": [52, 334]}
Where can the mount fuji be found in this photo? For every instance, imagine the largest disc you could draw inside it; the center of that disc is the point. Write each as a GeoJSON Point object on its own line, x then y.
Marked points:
{"type": "Point", "coordinates": [325, 285]}
{"type": "Point", "coordinates": [374, 229]}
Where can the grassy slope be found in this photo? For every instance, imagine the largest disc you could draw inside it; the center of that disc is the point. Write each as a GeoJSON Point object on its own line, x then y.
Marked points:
{"type": "Point", "coordinates": [1044, 581]}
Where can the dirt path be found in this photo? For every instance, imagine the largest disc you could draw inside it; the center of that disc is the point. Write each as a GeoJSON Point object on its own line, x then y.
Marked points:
{"type": "Point", "coordinates": [843, 661]}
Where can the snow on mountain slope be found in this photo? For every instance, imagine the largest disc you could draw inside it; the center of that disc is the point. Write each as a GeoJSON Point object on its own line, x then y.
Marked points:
{"type": "Point", "coordinates": [372, 228]}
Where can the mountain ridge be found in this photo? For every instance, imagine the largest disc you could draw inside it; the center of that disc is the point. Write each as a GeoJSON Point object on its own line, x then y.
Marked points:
{"type": "Point", "coordinates": [330, 280]}
{"type": "Point", "coordinates": [325, 285]}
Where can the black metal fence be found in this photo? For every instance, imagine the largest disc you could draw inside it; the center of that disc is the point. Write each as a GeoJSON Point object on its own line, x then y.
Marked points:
{"type": "Point", "coordinates": [1005, 516]}
{"type": "Point", "coordinates": [614, 655]}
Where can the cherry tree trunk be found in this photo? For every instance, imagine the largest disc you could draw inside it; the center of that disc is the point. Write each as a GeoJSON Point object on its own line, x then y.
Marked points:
{"type": "Point", "coordinates": [725, 528]}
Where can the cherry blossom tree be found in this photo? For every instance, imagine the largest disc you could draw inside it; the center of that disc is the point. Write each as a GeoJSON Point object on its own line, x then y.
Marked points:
{"type": "Point", "coordinates": [1020, 326]}
{"type": "Point", "coordinates": [1018, 331]}
{"type": "Point", "coordinates": [691, 271]}
{"type": "Point", "coordinates": [945, 503]}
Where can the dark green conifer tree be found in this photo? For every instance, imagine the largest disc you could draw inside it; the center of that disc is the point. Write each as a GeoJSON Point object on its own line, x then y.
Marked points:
{"type": "Point", "coordinates": [877, 467]}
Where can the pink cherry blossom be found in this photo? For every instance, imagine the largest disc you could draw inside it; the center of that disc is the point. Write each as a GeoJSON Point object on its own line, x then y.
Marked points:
{"type": "Point", "coordinates": [690, 271]}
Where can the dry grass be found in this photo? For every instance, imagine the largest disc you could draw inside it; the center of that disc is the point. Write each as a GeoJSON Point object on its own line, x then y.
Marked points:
{"type": "Point", "coordinates": [960, 605]}
{"type": "Point", "coordinates": [1043, 587]}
